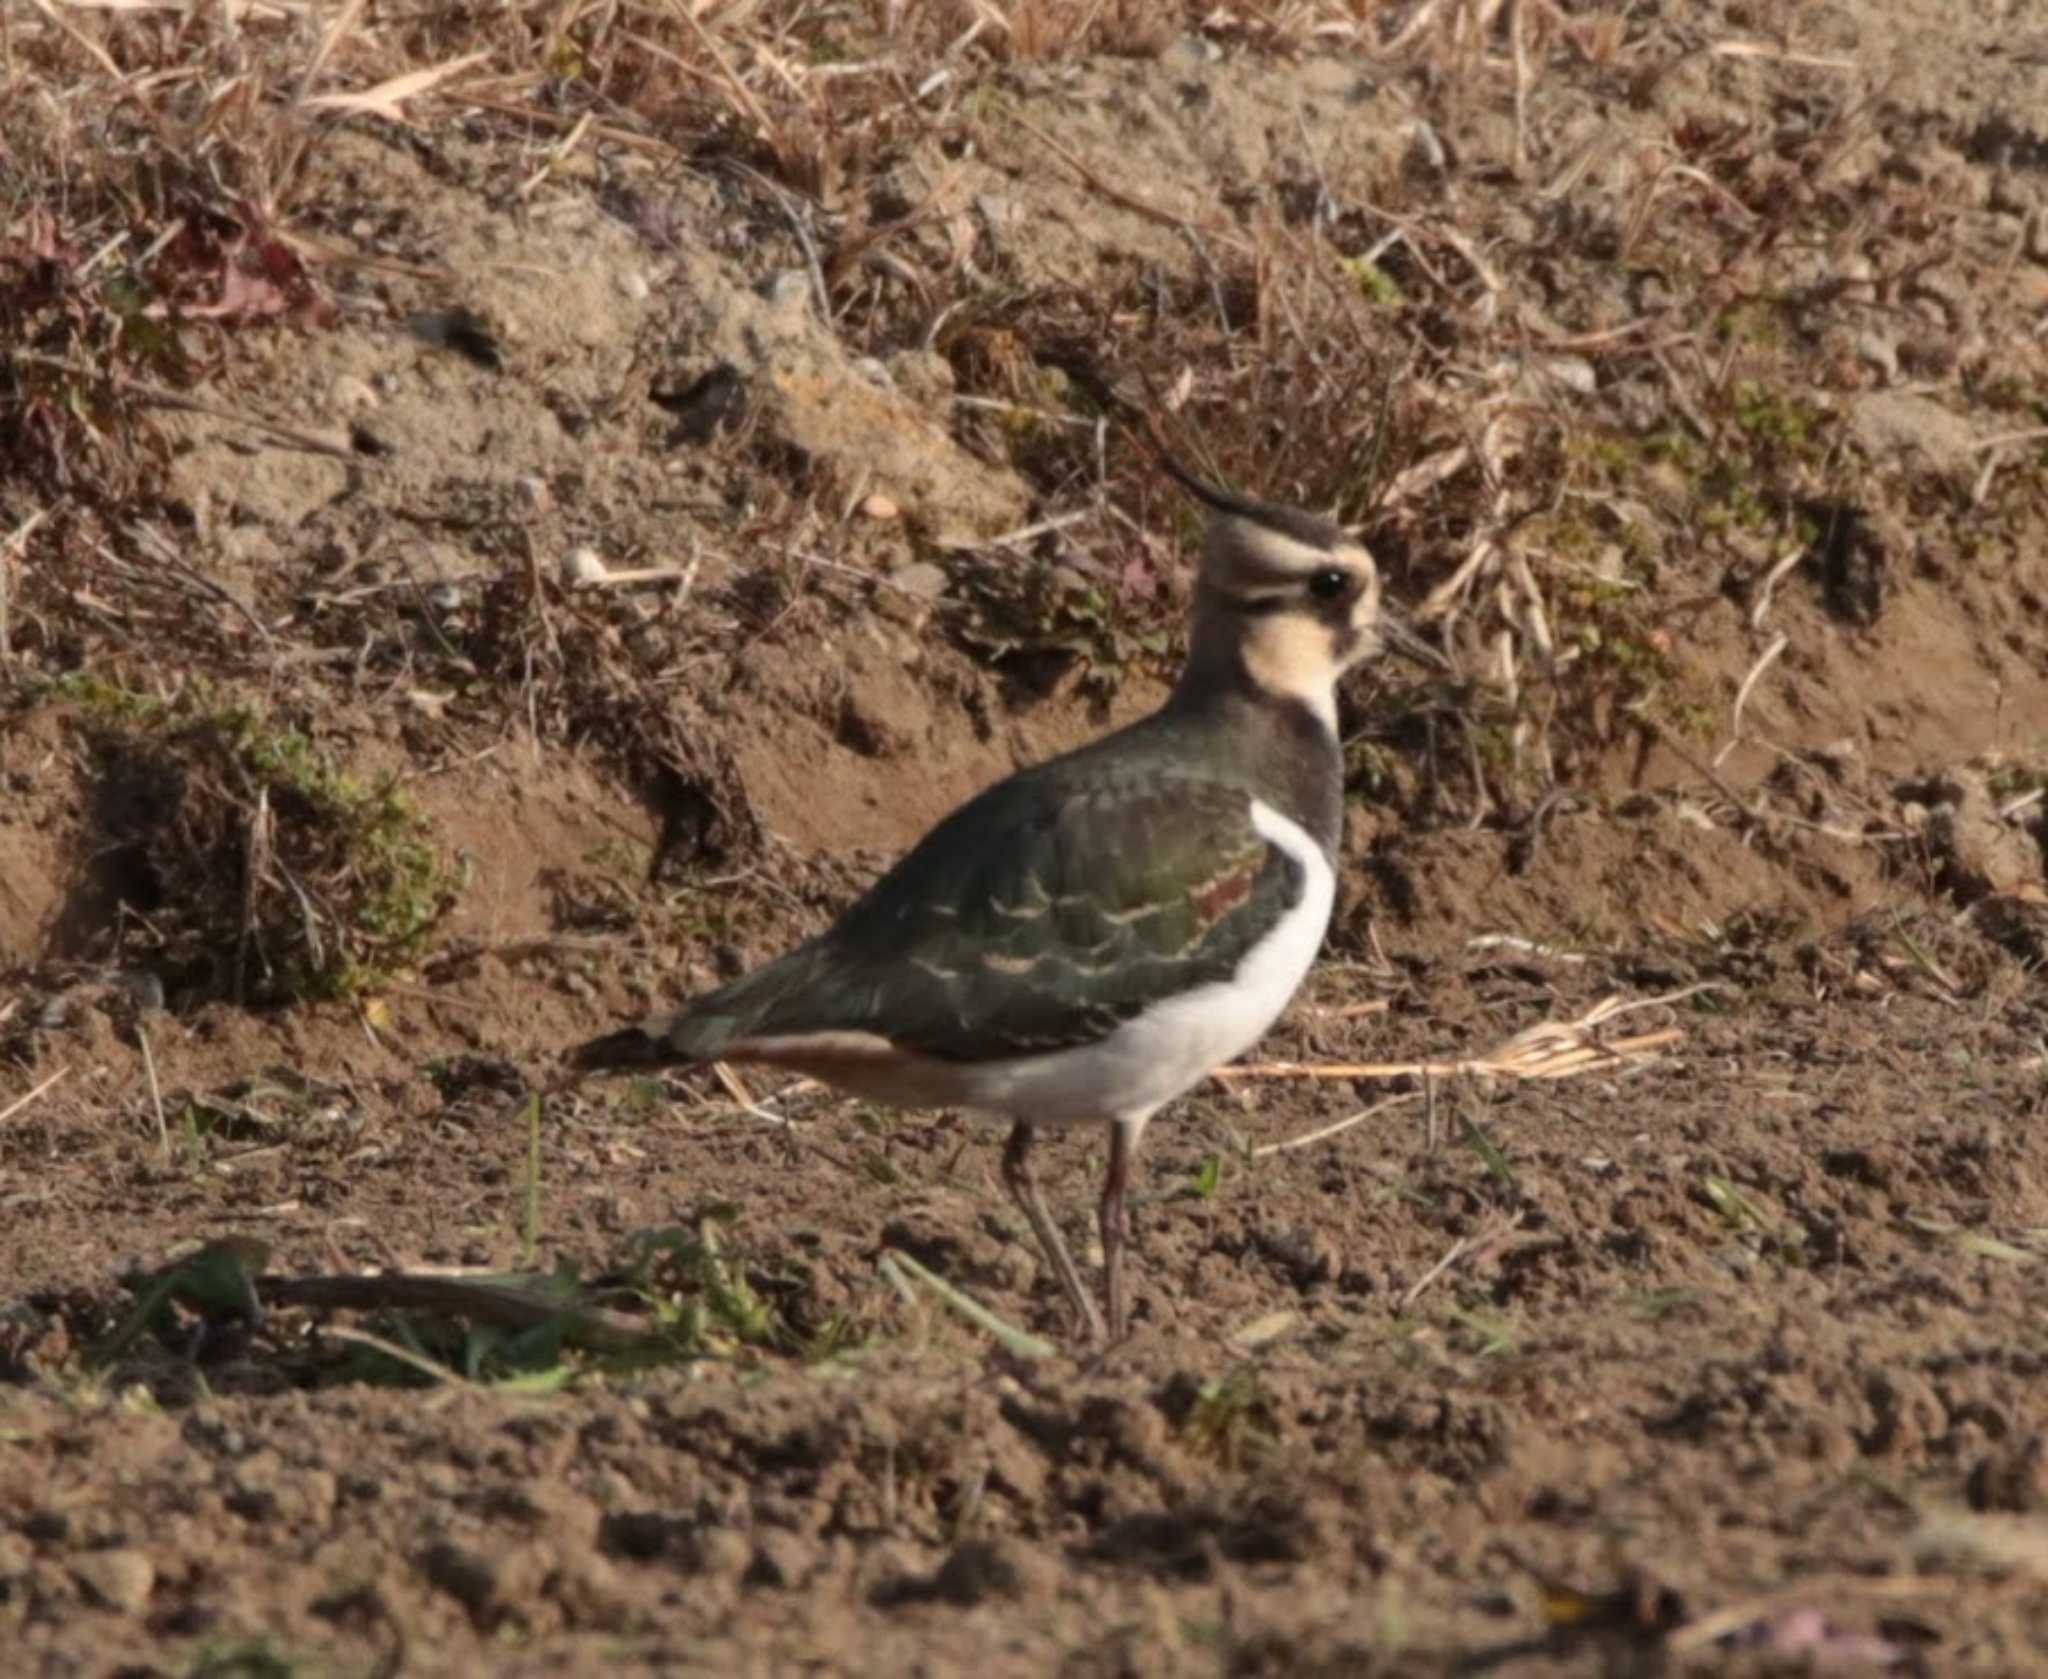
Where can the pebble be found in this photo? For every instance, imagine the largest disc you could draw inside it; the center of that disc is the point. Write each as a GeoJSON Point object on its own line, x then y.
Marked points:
{"type": "Point", "coordinates": [143, 985]}
{"type": "Point", "coordinates": [720, 1553]}
{"type": "Point", "coordinates": [1425, 151]}
{"type": "Point", "coordinates": [2037, 237]}
{"type": "Point", "coordinates": [582, 566]}
{"type": "Point", "coordinates": [632, 284]}
{"type": "Point", "coordinates": [2009, 195]}
{"type": "Point", "coordinates": [921, 578]}
{"type": "Point", "coordinates": [879, 506]}
{"type": "Point", "coordinates": [118, 1579]}
{"type": "Point", "coordinates": [534, 492]}
{"type": "Point", "coordinates": [788, 293]}
{"type": "Point", "coordinates": [350, 395]}
{"type": "Point", "coordinates": [781, 1560]}
{"type": "Point", "coordinates": [1878, 351]}
{"type": "Point", "coordinates": [1858, 277]}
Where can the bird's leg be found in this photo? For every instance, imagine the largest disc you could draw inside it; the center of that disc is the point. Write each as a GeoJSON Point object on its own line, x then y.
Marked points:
{"type": "Point", "coordinates": [1123, 1147]}
{"type": "Point", "coordinates": [1023, 1187]}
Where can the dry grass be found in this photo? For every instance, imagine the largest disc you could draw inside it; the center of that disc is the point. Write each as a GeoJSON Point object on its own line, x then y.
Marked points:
{"type": "Point", "coordinates": [1558, 463]}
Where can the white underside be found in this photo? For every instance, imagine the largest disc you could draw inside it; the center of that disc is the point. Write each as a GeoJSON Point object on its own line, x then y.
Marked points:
{"type": "Point", "coordinates": [1148, 1061]}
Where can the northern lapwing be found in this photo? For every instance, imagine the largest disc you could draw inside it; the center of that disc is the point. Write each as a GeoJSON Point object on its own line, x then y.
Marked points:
{"type": "Point", "coordinates": [1087, 940]}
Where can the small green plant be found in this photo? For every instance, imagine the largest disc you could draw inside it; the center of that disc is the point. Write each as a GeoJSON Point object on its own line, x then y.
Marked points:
{"type": "Point", "coordinates": [248, 1659]}
{"type": "Point", "coordinates": [1374, 283]}
{"type": "Point", "coordinates": [1229, 1419]}
{"type": "Point", "coordinates": [1490, 1156]}
{"type": "Point", "coordinates": [1772, 418]}
{"type": "Point", "coordinates": [1485, 1332]}
{"type": "Point", "coordinates": [250, 865]}
{"type": "Point", "coordinates": [1750, 1221]}
{"type": "Point", "coordinates": [699, 1295]}
{"type": "Point", "coordinates": [1041, 607]}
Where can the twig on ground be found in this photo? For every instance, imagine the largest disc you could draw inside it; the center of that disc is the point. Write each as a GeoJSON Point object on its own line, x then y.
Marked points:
{"type": "Point", "coordinates": [156, 1095]}
{"type": "Point", "coordinates": [313, 442]}
{"type": "Point", "coordinates": [1465, 1248]}
{"type": "Point", "coordinates": [1550, 1050]}
{"type": "Point", "coordinates": [21, 1102]}
{"type": "Point", "coordinates": [1116, 195]}
{"type": "Point", "coordinates": [16, 543]}
{"type": "Point", "coordinates": [1764, 661]}
{"type": "Point", "coordinates": [1323, 1133]}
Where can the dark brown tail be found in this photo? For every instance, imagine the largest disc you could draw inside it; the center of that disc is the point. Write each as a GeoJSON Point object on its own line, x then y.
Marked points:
{"type": "Point", "coordinates": [635, 1046]}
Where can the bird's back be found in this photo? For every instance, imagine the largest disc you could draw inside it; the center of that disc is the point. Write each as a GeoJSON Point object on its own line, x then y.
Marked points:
{"type": "Point", "coordinates": [1045, 912]}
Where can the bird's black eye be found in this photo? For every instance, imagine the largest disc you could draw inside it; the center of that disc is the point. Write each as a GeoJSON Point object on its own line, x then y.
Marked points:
{"type": "Point", "coordinates": [1328, 584]}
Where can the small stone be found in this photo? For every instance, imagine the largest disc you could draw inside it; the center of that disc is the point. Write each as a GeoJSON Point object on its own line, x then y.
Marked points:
{"type": "Point", "coordinates": [144, 986]}
{"type": "Point", "coordinates": [780, 1561]}
{"type": "Point", "coordinates": [788, 294]}
{"type": "Point", "coordinates": [2037, 237]}
{"type": "Point", "coordinates": [878, 506]}
{"type": "Point", "coordinates": [1858, 278]}
{"type": "Point", "coordinates": [721, 1553]}
{"type": "Point", "coordinates": [1426, 153]}
{"type": "Point", "coordinates": [2009, 195]}
{"type": "Point", "coordinates": [1549, 375]}
{"type": "Point", "coordinates": [1879, 352]}
{"type": "Point", "coordinates": [924, 376]}
{"type": "Point", "coordinates": [118, 1579]}
{"type": "Point", "coordinates": [582, 567]}
{"type": "Point", "coordinates": [632, 284]}
{"type": "Point", "coordinates": [350, 395]}
{"type": "Point", "coordinates": [921, 579]}
{"type": "Point", "coordinates": [535, 494]}
{"type": "Point", "coordinates": [1981, 852]}
{"type": "Point", "coordinates": [1574, 373]}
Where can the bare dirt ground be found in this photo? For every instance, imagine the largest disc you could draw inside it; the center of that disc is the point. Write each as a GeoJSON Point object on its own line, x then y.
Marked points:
{"type": "Point", "coordinates": [1685, 365]}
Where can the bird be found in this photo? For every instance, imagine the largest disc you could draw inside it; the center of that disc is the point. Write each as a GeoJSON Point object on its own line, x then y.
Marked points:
{"type": "Point", "coordinates": [1088, 939]}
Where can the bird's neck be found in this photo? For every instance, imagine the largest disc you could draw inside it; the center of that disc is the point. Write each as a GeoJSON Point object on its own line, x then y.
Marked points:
{"type": "Point", "coordinates": [1259, 714]}
{"type": "Point", "coordinates": [1277, 660]}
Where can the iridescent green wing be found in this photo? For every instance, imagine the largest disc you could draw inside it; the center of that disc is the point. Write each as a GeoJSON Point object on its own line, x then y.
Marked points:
{"type": "Point", "coordinates": [1040, 916]}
